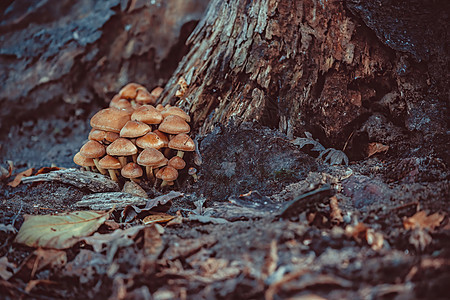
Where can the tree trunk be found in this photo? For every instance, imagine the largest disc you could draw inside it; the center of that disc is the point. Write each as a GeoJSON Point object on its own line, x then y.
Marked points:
{"type": "Point", "coordinates": [303, 66]}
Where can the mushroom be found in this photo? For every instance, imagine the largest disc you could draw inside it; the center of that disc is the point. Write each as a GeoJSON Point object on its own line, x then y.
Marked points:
{"type": "Point", "coordinates": [129, 91]}
{"type": "Point", "coordinates": [122, 148]}
{"type": "Point", "coordinates": [132, 171]}
{"type": "Point", "coordinates": [182, 142]}
{"type": "Point", "coordinates": [150, 140]}
{"type": "Point", "coordinates": [124, 104]}
{"type": "Point", "coordinates": [193, 172]}
{"type": "Point", "coordinates": [110, 119]}
{"type": "Point", "coordinates": [114, 101]}
{"type": "Point", "coordinates": [160, 107]}
{"type": "Point", "coordinates": [133, 129]}
{"type": "Point", "coordinates": [176, 111]}
{"type": "Point", "coordinates": [177, 163]}
{"type": "Point", "coordinates": [168, 175]}
{"type": "Point", "coordinates": [83, 161]}
{"type": "Point", "coordinates": [147, 114]}
{"type": "Point", "coordinates": [157, 91]}
{"type": "Point", "coordinates": [94, 150]}
{"type": "Point", "coordinates": [174, 125]}
{"type": "Point", "coordinates": [165, 139]}
{"type": "Point", "coordinates": [151, 158]}
{"type": "Point", "coordinates": [111, 137]}
{"type": "Point", "coordinates": [111, 164]}
{"type": "Point", "coordinates": [143, 96]}
{"type": "Point", "coordinates": [97, 135]}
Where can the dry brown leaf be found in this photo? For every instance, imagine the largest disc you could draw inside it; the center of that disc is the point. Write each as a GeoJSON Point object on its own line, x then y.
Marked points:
{"type": "Point", "coordinates": [19, 176]}
{"type": "Point", "coordinates": [157, 217]}
{"type": "Point", "coordinates": [6, 268]}
{"type": "Point", "coordinates": [336, 213]}
{"type": "Point", "coordinates": [117, 238]}
{"type": "Point", "coordinates": [421, 220]}
{"type": "Point", "coordinates": [59, 231]}
{"type": "Point", "coordinates": [46, 170]}
{"type": "Point", "coordinates": [360, 232]}
{"type": "Point", "coordinates": [374, 148]}
{"type": "Point", "coordinates": [153, 243]}
{"type": "Point", "coordinates": [42, 258]}
{"type": "Point", "coordinates": [271, 261]}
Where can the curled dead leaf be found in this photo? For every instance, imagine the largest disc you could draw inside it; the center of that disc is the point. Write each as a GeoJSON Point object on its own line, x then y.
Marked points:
{"type": "Point", "coordinates": [374, 148]}
{"type": "Point", "coordinates": [19, 177]}
{"type": "Point", "coordinates": [157, 217]}
{"type": "Point", "coordinates": [421, 220]}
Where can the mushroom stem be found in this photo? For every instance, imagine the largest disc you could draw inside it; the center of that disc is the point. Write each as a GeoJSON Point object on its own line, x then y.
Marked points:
{"type": "Point", "coordinates": [112, 174]}
{"type": "Point", "coordinates": [103, 171]}
{"type": "Point", "coordinates": [149, 172]}
{"type": "Point", "coordinates": [134, 158]}
{"type": "Point", "coordinates": [135, 180]}
{"type": "Point", "coordinates": [180, 153]}
{"type": "Point", "coordinates": [164, 183]}
{"type": "Point", "coordinates": [123, 160]}
{"type": "Point", "coordinates": [167, 152]}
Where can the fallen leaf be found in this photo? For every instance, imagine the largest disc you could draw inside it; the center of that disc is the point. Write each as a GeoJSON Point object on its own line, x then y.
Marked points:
{"type": "Point", "coordinates": [135, 189]}
{"type": "Point", "coordinates": [374, 148]}
{"type": "Point", "coordinates": [421, 220]}
{"type": "Point", "coordinates": [19, 176]}
{"type": "Point", "coordinates": [157, 217]}
{"type": "Point", "coordinates": [42, 258]}
{"type": "Point", "coordinates": [6, 268]}
{"type": "Point", "coordinates": [47, 170]}
{"type": "Point", "coordinates": [59, 231]}
{"type": "Point", "coordinates": [153, 243]}
{"type": "Point", "coordinates": [336, 213]}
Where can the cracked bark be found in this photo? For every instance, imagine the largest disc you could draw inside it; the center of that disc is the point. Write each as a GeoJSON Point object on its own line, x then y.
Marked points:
{"type": "Point", "coordinates": [291, 65]}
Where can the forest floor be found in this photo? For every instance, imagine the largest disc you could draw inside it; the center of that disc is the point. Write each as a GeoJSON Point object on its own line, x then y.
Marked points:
{"type": "Point", "coordinates": [265, 220]}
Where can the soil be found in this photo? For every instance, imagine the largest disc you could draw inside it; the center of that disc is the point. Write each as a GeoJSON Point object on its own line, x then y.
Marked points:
{"type": "Point", "coordinates": [238, 238]}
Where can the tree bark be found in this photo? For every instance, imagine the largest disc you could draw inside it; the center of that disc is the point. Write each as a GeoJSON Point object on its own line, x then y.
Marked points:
{"type": "Point", "coordinates": [301, 66]}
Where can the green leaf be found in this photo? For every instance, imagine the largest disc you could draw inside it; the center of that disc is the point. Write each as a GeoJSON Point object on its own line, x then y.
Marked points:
{"type": "Point", "coordinates": [59, 231]}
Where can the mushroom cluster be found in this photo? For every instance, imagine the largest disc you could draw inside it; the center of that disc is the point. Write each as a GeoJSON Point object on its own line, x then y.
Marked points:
{"type": "Point", "coordinates": [134, 139]}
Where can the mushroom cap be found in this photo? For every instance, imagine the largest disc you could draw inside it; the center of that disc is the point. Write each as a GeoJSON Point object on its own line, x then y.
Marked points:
{"type": "Point", "coordinates": [167, 174]}
{"type": "Point", "coordinates": [150, 140]}
{"type": "Point", "coordinates": [110, 119]}
{"type": "Point", "coordinates": [174, 110]}
{"type": "Point", "coordinates": [97, 135]}
{"type": "Point", "coordinates": [182, 142]}
{"type": "Point", "coordinates": [134, 129]}
{"type": "Point", "coordinates": [162, 136]}
{"type": "Point", "coordinates": [114, 101]}
{"type": "Point", "coordinates": [83, 161]}
{"type": "Point", "coordinates": [92, 149]}
{"type": "Point", "coordinates": [151, 158]}
{"type": "Point", "coordinates": [124, 104]}
{"type": "Point", "coordinates": [147, 114]}
{"type": "Point", "coordinates": [174, 125]}
{"type": "Point", "coordinates": [157, 91]}
{"type": "Point", "coordinates": [143, 96]}
{"type": "Point", "coordinates": [192, 171]}
{"type": "Point", "coordinates": [111, 136]}
{"type": "Point", "coordinates": [129, 91]}
{"type": "Point", "coordinates": [160, 107]}
{"type": "Point", "coordinates": [131, 170]}
{"type": "Point", "coordinates": [109, 163]}
{"type": "Point", "coordinates": [177, 163]}
{"type": "Point", "coordinates": [121, 147]}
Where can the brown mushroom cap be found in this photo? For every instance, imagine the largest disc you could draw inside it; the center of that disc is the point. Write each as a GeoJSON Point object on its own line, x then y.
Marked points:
{"type": "Point", "coordinates": [147, 114]}
{"type": "Point", "coordinates": [162, 136]}
{"type": "Point", "coordinates": [160, 107]}
{"type": "Point", "coordinates": [121, 147]}
{"type": "Point", "coordinates": [124, 104]}
{"type": "Point", "coordinates": [109, 163]}
{"type": "Point", "coordinates": [174, 110]}
{"type": "Point", "coordinates": [92, 149]}
{"type": "Point", "coordinates": [111, 136]}
{"type": "Point", "coordinates": [131, 171]}
{"type": "Point", "coordinates": [157, 91]}
{"type": "Point", "coordinates": [110, 119]}
{"type": "Point", "coordinates": [150, 140]}
{"type": "Point", "coordinates": [97, 135]}
{"type": "Point", "coordinates": [134, 129]}
{"type": "Point", "coordinates": [114, 101]}
{"type": "Point", "coordinates": [174, 125]}
{"type": "Point", "coordinates": [177, 163]}
{"type": "Point", "coordinates": [83, 161]}
{"type": "Point", "coordinates": [167, 174]}
{"type": "Point", "coordinates": [129, 91]}
{"type": "Point", "coordinates": [151, 158]}
{"type": "Point", "coordinates": [182, 142]}
{"type": "Point", "coordinates": [143, 96]}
